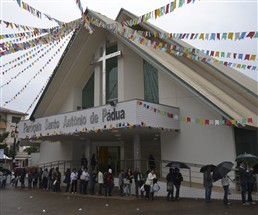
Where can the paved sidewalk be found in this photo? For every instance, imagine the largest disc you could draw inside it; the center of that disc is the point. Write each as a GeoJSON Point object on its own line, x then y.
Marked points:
{"type": "Point", "coordinates": [36, 202]}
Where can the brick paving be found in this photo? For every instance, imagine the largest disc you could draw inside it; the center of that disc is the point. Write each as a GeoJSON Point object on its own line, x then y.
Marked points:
{"type": "Point", "coordinates": [39, 202]}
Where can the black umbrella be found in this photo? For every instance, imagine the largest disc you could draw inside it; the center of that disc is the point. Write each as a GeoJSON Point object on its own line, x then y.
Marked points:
{"type": "Point", "coordinates": [221, 170]}
{"type": "Point", "coordinates": [246, 157]}
{"type": "Point", "coordinates": [4, 170]}
{"type": "Point", "coordinates": [177, 164]}
{"type": "Point", "coordinates": [211, 167]}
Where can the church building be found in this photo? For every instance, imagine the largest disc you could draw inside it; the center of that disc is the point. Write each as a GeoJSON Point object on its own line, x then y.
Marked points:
{"type": "Point", "coordinates": [117, 95]}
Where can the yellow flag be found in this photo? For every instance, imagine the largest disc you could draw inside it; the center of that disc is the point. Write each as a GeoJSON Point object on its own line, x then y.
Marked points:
{"type": "Point", "coordinates": [230, 36]}
{"type": "Point", "coordinates": [174, 5]}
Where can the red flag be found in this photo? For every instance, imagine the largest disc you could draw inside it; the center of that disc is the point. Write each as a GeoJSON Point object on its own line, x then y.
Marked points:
{"type": "Point", "coordinates": [250, 120]}
{"type": "Point", "coordinates": [251, 34]}
{"type": "Point", "coordinates": [247, 57]}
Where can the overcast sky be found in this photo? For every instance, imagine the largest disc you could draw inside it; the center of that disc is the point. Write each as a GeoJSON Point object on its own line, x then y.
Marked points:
{"type": "Point", "coordinates": [203, 16]}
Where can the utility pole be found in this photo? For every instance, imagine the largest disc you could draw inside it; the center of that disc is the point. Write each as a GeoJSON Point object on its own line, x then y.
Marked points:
{"type": "Point", "coordinates": [14, 145]}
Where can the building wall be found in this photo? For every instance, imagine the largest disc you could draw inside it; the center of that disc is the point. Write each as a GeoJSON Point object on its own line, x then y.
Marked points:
{"type": "Point", "coordinates": [194, 143]}
{"type": "Point", "coordinates": [130, 75]}
{"type": "Point", "coordinates": [55, 151]}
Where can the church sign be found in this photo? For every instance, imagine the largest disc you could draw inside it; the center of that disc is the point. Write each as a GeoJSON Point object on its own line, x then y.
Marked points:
{"type": "Point", "coordinates": [105, 117]}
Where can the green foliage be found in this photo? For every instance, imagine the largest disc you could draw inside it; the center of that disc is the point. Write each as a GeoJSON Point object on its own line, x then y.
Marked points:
{"type": "Point", "coordinates": [3, 136]}
{"type": "Point", "coordinates": [6, 149]}
{"type": "Point", "coordinates": [31, 150]}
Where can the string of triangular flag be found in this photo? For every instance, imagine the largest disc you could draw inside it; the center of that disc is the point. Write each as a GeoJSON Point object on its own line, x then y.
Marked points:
{"type": "Point", "coordinates": [38, 73]}
{"type": "Point", "coordinates": [212, 53]}
{"type": "Point", "coordinates": [25, 55]}
{"type": "Point", "coordinates": [55, 34]}
{"type": "Point", "coordinates": [21, 35]}
{"type": "Point", "coordinates": [192, 56]}
{"type": "Point", "coordinates": [202, 36]}
{"type": "Point", "coordinates": [9, 43]}
{"type": "Point", "coordinates": [159, 12]}
{"type": "Point", "coordinates": [33, 63]}
{"type": "Point", "coordinates": [79, 4]}
{"type": "Point", "coordinates": [173, 49]}
{"type": "Point", "coordinates": [36, 12]}
{"type": "Point", "coordinates": [49, 78]}
{"type": "Point", "coordinates": [28, 58]}
{"type": "Point", "coordinates": [199, 121]}
{"type": "Point", "coordinates": [13, 25]}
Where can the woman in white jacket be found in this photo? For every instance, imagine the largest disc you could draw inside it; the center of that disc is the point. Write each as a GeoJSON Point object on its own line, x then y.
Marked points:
{"type": "Point", "coordinates": [149, 185]}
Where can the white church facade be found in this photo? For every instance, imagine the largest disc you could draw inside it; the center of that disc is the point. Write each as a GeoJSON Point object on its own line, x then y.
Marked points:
{"type": "Point", "coordinates": [123, 100]}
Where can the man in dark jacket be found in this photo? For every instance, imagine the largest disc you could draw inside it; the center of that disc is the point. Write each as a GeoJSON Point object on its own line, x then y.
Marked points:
{"type": "Point", "coordinates": [243, 177]}
{"type": "Point", "coordinates": [139, 181]}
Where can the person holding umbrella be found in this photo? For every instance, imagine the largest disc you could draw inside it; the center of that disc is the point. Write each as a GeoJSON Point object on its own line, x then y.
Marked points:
{"type": "Point", "coordinates": [177, 182]}
{"type": "Point", "coordinates": [170, 184]}
{"type": "Point", "coordinates": [250, 185]}
{"type": "Point", "coordinates": [225, 184]}
{"type": "Point", "coordinates": [243, 176]}
{"type": "Point", "coordinates": [207, 183]}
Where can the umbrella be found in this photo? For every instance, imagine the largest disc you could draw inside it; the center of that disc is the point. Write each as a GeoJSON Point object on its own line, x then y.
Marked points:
{"type": "Point", "coordinates": [221, 170]}
{"type": "Point", "coordinates": [208, 166]}
{"type": "Point", "coordinates": [246, 157]}
{"type": "Point", "coordinates": [4, 170]}
{"type": "Point", "coordinates": [177, 164]}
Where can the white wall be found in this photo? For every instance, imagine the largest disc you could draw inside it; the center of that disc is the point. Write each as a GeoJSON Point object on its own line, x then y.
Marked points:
{"type": "Point", "coordinates": [55, 151]}
{"type": "Point", "coordinates": [34, 161]}
{"type": "Point", "coordinates": [130, 75]}
{"type": "Point", "coordinates": [200, 144]}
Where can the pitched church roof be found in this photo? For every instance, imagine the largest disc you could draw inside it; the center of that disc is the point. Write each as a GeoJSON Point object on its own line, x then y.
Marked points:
{"type": "Point", "coordinates": [224, 89]}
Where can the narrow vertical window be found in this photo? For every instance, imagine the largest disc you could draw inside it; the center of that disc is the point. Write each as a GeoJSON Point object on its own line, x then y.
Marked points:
{"type": "Point", "coordinates": [151, 88]}
{"type": "Point", "coordinates": [88, 93]}
{"type": "Point", "coordinates": [111, 75]}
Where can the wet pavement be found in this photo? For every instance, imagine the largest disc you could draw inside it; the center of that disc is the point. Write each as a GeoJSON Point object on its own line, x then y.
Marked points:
{"type": "Point", "coordinates": [38, 202]}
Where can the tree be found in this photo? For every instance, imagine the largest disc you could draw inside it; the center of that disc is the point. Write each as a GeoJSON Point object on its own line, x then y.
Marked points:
{"type": "Point", "coordinates": [3, 136]}
{"type": "Point", "coordinates": [4, 145]}
{"type": "Point", "coordinates": [30, 150]}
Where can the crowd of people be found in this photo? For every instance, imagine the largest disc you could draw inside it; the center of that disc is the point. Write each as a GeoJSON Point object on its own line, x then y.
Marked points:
{"type": "Point", "coordinates": [246, 182]}
{"type": "Point", "coordinates": [97, 181]}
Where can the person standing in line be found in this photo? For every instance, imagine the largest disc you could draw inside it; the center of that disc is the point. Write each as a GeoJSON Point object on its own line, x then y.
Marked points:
{"type": "Point", "coordinates": [100, 182]}
{"type": "Point", "coordinates": [40, 178]}
{"type": "Point", "coordinates": [87, 178]}
{"type": "Point", "coordinates": [82, 182]}
{"type": "Point", "coordinates": [139, 181]}
{"type": "Point", "coordinates": [243, 177]}
{"type": "Point", "coordinates": [50, 178]}
{"type": "Point", "coordinates": [74, 178]}
{"type": "Point", "coordinates": [67, 179]}
{"type": "Point", "coordinates": [250, 186]}
{"type": "Point", "coordinates": [57, 186]}
{"type": "Point", "coordinates": [35, 177]}
{"type": "Point", "coordinates": [22, 178]}
{"type": "Point", "coordinates": [44, 179]}
{"type": "Point", "coordinates": [225, 184]}
{"type": "Point", "coordinates": [170, 184]}
{"type": "Point", "coordinates": [4, 179]}
{"type": "Point", "coordinates": [207, 183]}
{"type": "Point", "coordinates": [109, 182]}
{"type": "Point", "coordinates": [149, 182]}
{"type": "Point", "coordinates": [93, 180]}
{"type": "Point", "coordinates": [128, 184]}
{"type": "Point", "coordinates": [177, 182]}
{"type": "Point", "coordinates": [30, 179]}
{"type": "Point", "coordinates": [121, 182]}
